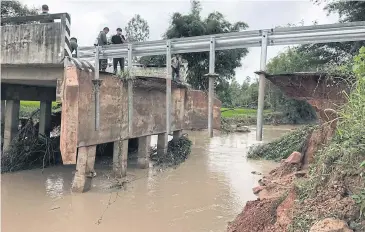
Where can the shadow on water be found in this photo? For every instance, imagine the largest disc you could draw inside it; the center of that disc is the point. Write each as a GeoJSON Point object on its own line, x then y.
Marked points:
{"type": "Point", "coordinates": [202, 194]}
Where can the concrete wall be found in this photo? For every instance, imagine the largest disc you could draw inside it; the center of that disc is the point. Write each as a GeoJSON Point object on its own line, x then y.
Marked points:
{"type": "Point", "coordinates": [32, 44]}
{"type": "Point", "coordinates": [189, 110]}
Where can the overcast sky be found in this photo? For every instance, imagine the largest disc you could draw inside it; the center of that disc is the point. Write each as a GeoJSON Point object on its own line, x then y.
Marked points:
{"type": "Point", "coordinates": [89, 17]}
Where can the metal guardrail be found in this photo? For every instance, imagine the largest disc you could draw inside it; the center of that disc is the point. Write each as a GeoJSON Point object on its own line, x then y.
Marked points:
{"type": "Point", "coordinates": [340, 32]}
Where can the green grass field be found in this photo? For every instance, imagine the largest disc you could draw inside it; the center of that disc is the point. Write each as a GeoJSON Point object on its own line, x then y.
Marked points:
{"type": "Point", "coordinates": [27, 107]}
{"type": "Point", "coordinates": [238, 112]}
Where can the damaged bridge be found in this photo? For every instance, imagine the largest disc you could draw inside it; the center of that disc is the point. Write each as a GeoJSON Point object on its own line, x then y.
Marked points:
{"type": "Point", "coordinates": [36, 66]}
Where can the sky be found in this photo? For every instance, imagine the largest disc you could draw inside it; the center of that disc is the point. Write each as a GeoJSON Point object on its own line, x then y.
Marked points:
{"type": "Point", "coordinates": [89, 17]}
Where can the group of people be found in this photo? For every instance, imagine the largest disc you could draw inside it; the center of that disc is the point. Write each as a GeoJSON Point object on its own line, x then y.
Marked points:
{"type": "Point", "coordinates": [102, 40]}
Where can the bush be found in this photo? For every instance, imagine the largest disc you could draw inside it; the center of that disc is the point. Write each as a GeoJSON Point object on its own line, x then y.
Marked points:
{"type": "Point", "coordinates": [177, 152]}
{"type": "Point", "coordinates": [282, 147]}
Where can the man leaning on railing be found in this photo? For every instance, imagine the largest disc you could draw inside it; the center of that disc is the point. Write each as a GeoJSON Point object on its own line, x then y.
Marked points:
{"type": "Point", "coordinates": [102, 40]}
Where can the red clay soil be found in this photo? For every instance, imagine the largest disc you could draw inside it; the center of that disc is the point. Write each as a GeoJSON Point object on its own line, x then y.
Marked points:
{"type": "Point", "coordinates": [273, 210]}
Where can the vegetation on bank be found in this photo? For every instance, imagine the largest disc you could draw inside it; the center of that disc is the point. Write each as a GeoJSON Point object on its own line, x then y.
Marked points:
{"type": "Point", "coordinates": [177, 152]}
{"type": "Point", "coordinates": [340, 163]}
{"type": "Point", "coordinates": [282, 147]}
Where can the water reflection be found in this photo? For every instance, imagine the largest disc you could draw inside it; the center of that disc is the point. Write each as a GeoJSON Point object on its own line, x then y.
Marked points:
{"type": "Point", "coordinates": [202, 194]}
{"type": "Point", "coordinates": [54, 186]}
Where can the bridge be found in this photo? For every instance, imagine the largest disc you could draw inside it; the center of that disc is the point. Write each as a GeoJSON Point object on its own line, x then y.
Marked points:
{"type": "Point", "coordinates": [98, 107]}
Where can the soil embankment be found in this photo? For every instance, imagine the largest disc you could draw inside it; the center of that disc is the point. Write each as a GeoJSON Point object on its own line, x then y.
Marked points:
{"type": "Point", "coordinates": [320, 188]}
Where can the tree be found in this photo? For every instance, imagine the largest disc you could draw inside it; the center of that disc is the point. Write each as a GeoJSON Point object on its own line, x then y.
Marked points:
{"type": "Point", "coordinates": [15, 8]}
{"type": "Point", "coordinates": [192, 24]}
{"type": "Point", "coordinates": [339, 53]}
{"type": "Point", "coordinates": [137, 29]}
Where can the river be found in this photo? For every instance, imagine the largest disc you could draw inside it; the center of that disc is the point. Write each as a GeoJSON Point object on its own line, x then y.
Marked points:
{"type": "Point", "coordinates": [202, 194]}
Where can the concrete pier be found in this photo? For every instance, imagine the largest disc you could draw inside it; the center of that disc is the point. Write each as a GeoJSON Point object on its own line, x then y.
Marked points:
{"type": "Point", "coordinates": [84, 169]}
{"type": "Point", "coordinates": [144, 144]}
{"type": "Point", "coordinates": [2, 111]}
{"type": "Point", "coordinates": [162, 141]}
{"type": "Point", "coordinates": [11, 121]}
{"type": "Point", "coordinates": [177, 134]}
{"type": "Point", "coordinates": [120, 158]}
{"type": "Point", "coordinates": [45, 125]}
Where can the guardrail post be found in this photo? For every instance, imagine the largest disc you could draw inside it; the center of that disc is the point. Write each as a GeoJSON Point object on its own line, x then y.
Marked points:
{"type": "Point", "coordinates": [261, 97]}
{"type": "Point", "coordinates": [130, 91]}
{"type": "Point", "coordinates": [211, 85]}
{"type": "Point", "coordinates": [97, 83]}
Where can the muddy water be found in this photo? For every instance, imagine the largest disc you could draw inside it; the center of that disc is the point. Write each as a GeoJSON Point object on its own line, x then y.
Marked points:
{"type": "Point", "coordinates": [202, 194]}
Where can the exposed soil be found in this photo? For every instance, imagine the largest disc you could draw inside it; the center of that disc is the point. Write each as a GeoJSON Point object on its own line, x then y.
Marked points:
{"type": "Point", "coordinates": [278, 203]}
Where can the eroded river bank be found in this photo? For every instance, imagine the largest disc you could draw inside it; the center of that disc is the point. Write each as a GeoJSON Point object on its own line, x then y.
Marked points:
{"type": "Point", "coordinates": [202, 194]}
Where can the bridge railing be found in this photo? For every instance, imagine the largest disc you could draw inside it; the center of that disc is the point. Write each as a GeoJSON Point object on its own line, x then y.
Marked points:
{"type": "Point", "coordinates": [340, 32]}
{"type": "Point", "coordinates": [36, 42]}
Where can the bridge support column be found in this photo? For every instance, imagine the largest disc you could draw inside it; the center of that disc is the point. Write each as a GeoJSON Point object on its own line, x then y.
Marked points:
{"type": "Point", "coordinates": [261, 97]}
{"type": "Point", "coordinates": [162, 141]}
{"type": "Point", "coordinates": [11, 121]}
{"type": "Point", "coordinates": [84, 169]}
{"type": "Point", "coordinates": [2, 111]}
{"type": "Point", "coordinates": [45, 118]}
{"type": "Point", "coordinates": [2, 119]}
{"type": "Point", "coordinates": [177, 134]}
{"type": "Point", "coordinates": [120, 158]}
{"type": "Point", "coordinates": [144, 144]}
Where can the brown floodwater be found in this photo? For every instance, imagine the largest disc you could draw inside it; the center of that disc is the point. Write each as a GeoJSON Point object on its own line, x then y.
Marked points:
{"type": "Point", "coordinates": [202, 194]}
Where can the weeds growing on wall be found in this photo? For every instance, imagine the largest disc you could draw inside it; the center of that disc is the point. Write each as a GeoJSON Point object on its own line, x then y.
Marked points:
{"type": "Point", "coordinates": [282, 147]}
{"type": "Point", "coordinates": [341, 161]}
{"type": "Point", "coordinates": [177, 152]}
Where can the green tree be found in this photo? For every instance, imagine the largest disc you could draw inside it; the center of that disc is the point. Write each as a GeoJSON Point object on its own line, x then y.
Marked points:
{"type": "Point", "coordinates": [339, 53]}
{"type": "Point", "coordinates": [137, 29]}
{"type": "Point", "coordinates": [16, 8]}
{"type": "Point", "coordinates": [192, 24]}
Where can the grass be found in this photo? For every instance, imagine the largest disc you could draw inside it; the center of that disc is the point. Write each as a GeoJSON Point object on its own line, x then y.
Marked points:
{"type": "Point", "coordinates": [27, 107]}
{"type": "Point", "coordinates": [239, 112]}
{"type": "Point", "coordinates": [340, 161]}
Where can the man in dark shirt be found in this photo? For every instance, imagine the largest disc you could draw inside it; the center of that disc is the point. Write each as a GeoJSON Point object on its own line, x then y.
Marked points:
{"type": "Point", "coordinates": [118, 39]}
{"type": "Point", "coordinates": [73, 46]}
{"type": "Point", "coordinates": [45, 10]}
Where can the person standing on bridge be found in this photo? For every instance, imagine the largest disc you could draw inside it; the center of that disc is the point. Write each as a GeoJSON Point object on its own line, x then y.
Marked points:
{"type": "Point", "coordinates": [45, 11]}
{"type": "Point", "coordinates": [118, 39]}
{"type": "Point", "coordinates": [101, 41]}
{"type": "Point", "coordinates": [73, 46]}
